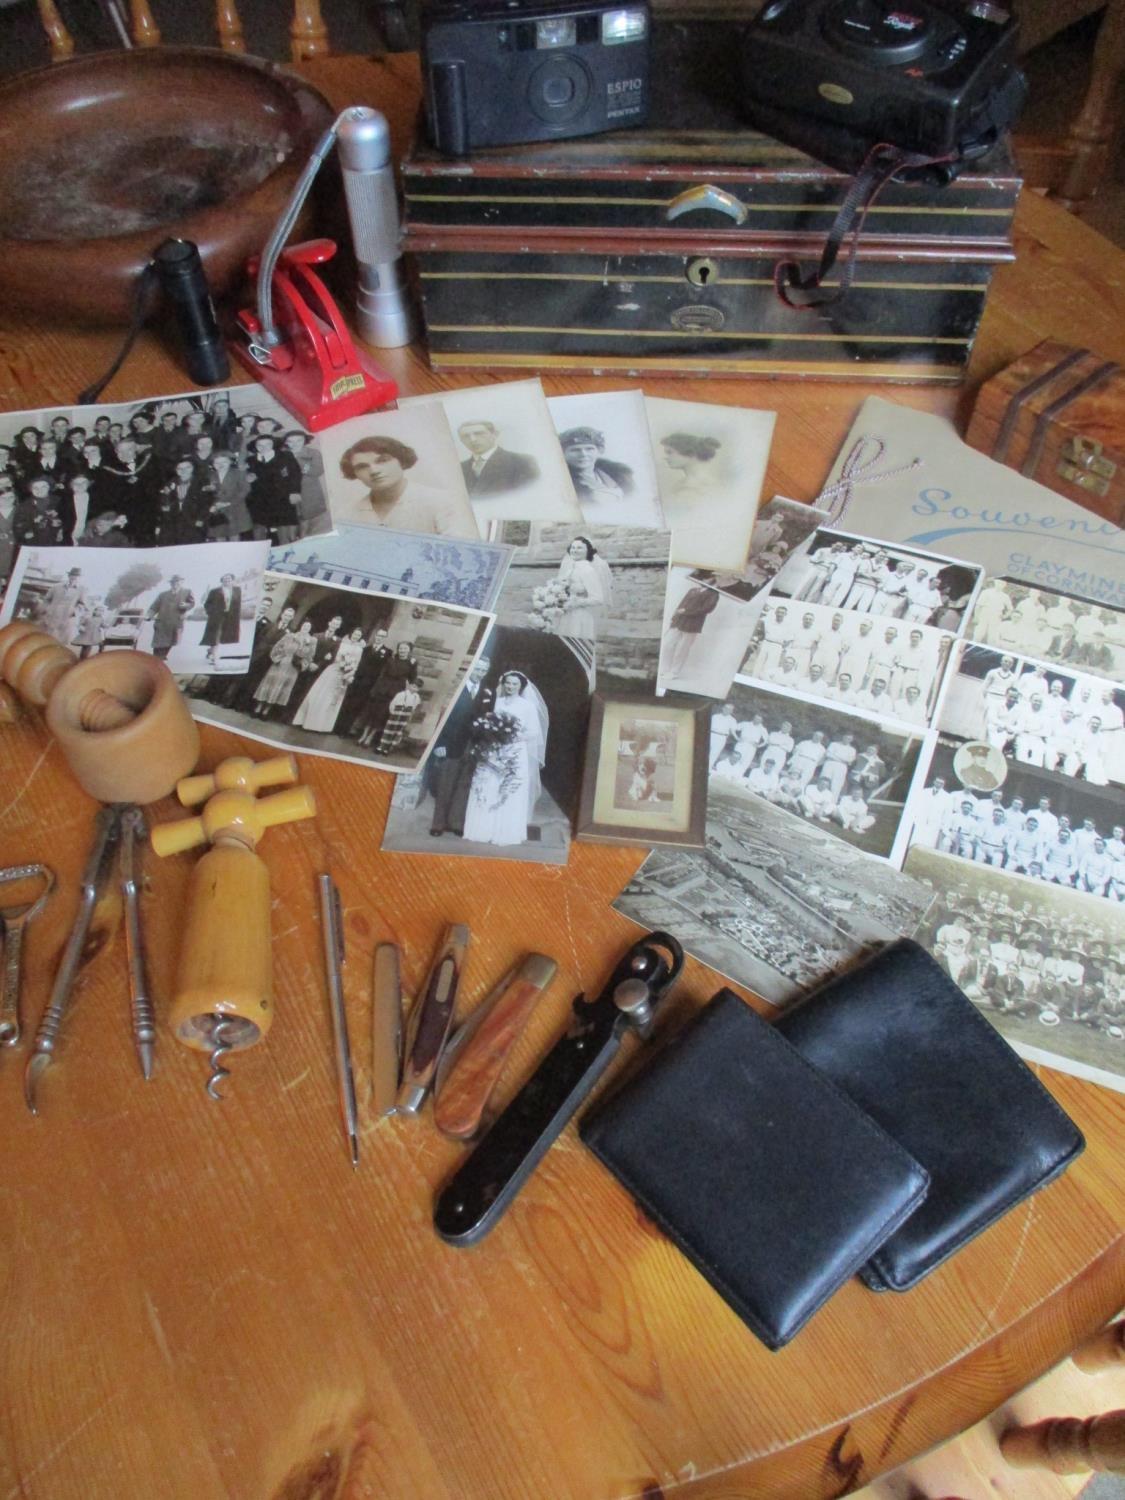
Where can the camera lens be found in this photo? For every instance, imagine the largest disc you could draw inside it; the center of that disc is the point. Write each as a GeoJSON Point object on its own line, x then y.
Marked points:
{"type": "Point", "coordinates": [559, 89]}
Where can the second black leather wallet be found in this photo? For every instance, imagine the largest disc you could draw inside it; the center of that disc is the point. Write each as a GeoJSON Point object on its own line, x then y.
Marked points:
{"type": "Point", "coordinates": [768, 1178]}
{"type": "Point", "coordinates": [900, 1038]}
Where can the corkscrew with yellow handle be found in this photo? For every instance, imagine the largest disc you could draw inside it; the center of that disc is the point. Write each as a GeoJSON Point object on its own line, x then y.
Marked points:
{"type": "Point", "coordinates": [224, 982]}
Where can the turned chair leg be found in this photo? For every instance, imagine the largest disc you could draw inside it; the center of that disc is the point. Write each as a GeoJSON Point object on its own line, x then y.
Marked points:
{"type": "Point", "coordinates": [1068, 1445]}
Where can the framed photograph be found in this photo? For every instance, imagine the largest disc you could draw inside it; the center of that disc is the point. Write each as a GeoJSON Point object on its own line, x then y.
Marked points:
{"type": "Point", "coordinates": [645, 776]}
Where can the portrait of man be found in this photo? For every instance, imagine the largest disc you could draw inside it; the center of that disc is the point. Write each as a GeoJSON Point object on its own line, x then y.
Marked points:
{"type": "Point", "coordinates": [491, 469]}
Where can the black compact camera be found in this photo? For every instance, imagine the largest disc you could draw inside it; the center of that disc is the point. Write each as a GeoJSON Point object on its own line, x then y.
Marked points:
{"type": "Point", "coordinates": [505, 71]}
{"type": "Point", "coordinates": [835, 77]}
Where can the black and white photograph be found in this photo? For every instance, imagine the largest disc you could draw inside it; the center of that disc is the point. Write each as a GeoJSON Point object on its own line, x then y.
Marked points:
{"type": "Point", "coordinates": [193, 607]}
{"type": "Point", "coordinates": [397, 469]}
{"type": "Point", "coordinates": [448, 570]}
{"type": "Point", "coordinates": [1033, 823]}
{"type": "Point", "coordinates": [1051, 627]}
{"type": "Point", "coordinates": [710, 463]}
{"type": "Point", "coordinates": [706, 634]}
{"type": "Point", "coordinates": [503, 777]}
{"type": "Point", "coordinates": [846, 572]}
{"type": "Point", "coordinates": [228, 465]}
{"type": "Point", "coordinates": [776, 904]}
{"type": "Point", "coordinates": [1037, 715]}
{"type": "Point", "coordinates": [511, 463]}
{"type": "Point", "coordinates": [781, 529]}
{"type": "Point", "coordinates": [832, 768]}
{"type": "Point", "coordinates": [348, 674]}
{"type": "Point", "coordinates": [608, 451]}
{"type": "Point", "coordinates": [892, 669]}
{"type": "Point", "coordinates": [645, 777]}
{"type": "Point", "coordinates": [1041, 962]}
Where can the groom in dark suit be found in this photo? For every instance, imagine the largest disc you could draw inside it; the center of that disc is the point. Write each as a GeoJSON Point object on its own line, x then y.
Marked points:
{"type": "Point", "coordinates": [490, 469]}
{"type": "Point", "coordinates": [452, 759]}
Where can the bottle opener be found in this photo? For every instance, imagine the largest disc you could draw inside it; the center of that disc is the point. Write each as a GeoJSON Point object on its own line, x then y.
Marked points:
{"type": "Point", "coordinates": [477, 1195]}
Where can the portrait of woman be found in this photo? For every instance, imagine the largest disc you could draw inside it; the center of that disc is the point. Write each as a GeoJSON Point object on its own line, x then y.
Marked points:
{"type": "Point", "coordinates": [506, 780]}
{"type": "Point", "coordinates": [288, 656]}
{"type": "Point", "coordinates": [597, 479]}
{"type": "Point", "coordinates": [394, 496]}
{"type": "Point", "coordinates": [689, 458]}
{"type": "Point", "coordinates": [320, 706]}
{"type": "Point", "coordinates": [589, 583]}
{"type": "Point", "coordinates": [686, 627]}
{"type": "Point", "coordinates": [400, 669]}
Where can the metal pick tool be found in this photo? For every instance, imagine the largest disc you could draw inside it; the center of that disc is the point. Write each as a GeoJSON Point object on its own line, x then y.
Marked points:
{"type": "Point", "coordinates": [13, 920]}
{"type": "Point", "coordinates": [332, 929]}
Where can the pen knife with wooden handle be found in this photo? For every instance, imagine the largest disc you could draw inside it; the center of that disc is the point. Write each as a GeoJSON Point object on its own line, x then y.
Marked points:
{"type": "Point", "coordinates": [386, 1029]}
{"type": "Point", "coordinates": [430, 1020]}
{"type": "Point", "coordinates": [474, 1059]}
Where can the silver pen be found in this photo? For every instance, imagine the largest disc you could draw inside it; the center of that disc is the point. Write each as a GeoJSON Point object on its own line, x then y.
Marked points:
{"type": "Point", "coordinates": [332, 929]}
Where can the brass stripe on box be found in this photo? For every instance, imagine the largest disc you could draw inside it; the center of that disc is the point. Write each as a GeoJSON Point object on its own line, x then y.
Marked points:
{"type": "Point", "coordinates": [887, 286]}
{"type": "Point", "coordinates": [759, 208]}
{"type": "Point", "coordinates": [689, 333]}
{"type": "Point", "coordinates": [828, 369]}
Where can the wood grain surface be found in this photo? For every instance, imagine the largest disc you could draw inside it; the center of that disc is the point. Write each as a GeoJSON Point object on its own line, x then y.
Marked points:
{"type": "Point", "coordinates": [203, 1300]}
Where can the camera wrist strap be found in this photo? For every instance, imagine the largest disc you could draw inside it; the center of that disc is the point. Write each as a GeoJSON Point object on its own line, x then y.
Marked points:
{"type": "Point", "coordinates": [146, 281]}
{"type": "Point", "coordinates": [881, 163]}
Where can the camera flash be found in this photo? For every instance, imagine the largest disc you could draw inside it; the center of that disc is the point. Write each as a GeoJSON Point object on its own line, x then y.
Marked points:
{"type": "Point", "coordinates": [623, 26]}
{"type": "Point", "coordinates": [558, 31]}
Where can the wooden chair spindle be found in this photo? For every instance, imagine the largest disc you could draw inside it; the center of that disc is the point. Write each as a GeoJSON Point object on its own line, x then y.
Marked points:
{"type": "Point", "coordinates": [59, 38]}
{"type": "Point", "coordinates": [229, 25]}
{"type": "Point", "coordinates": [1102, 1351]}
{"type": "Point", "coordinates": [308, 33]}
{"type": "Point", "coordinates": [1068, 1445]}
{"type": "Point", "coordinates": [146, 33]}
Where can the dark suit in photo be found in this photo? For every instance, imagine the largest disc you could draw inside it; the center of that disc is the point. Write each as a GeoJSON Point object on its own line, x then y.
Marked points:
{"type": "Point", "coordinates": [502, 471]}
{"type": "Point", "coordinates": [451, 774]}
{"type": "Point", "coordinates": [224, 616]}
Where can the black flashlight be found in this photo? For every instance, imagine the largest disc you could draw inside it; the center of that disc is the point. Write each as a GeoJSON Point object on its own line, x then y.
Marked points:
{"type": "Point", "coordinates": [184, 283]}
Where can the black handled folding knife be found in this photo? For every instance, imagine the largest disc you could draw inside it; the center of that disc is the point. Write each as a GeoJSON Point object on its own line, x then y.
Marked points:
{"type": "Point", "coordinates": [477, 1195]}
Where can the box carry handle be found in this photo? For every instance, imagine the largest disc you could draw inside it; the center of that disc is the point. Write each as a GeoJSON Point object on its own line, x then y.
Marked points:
{"type": "Point", "coordinates": [707, 195]}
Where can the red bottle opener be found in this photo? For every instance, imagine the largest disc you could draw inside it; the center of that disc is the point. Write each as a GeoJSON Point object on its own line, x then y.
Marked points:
{"type": "Point", "coordinates": [315, 369]}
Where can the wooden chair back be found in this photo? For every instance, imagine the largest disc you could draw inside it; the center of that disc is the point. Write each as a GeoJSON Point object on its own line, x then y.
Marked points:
{"type": "Point", "coordinates": [308, 35]}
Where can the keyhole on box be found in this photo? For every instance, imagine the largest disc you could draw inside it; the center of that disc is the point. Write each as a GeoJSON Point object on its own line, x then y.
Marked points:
{"type": "Point", "coordinates": [702, 272]}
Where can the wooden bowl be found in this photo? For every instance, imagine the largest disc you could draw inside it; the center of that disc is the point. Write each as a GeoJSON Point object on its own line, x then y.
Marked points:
{"type": "Point", "coordinates": [103, 157]}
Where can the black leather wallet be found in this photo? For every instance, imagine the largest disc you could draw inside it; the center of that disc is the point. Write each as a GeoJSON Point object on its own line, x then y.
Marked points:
{"type": "Point", "coordinates": [911, 1049]}
{"type": "Point", "coordinates": [761, 1171]}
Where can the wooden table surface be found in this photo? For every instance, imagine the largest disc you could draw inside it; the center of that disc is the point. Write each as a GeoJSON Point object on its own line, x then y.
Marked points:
{"type": "Point", "coordinates": [201, 1300]}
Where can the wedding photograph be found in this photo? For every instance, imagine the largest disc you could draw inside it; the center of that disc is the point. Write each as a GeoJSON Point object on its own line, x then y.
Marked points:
{"type": "Point", "coordinates": [706, 635]}
{"type": "Point", "coordinates": [1035, 823]}
{"type": "Point", "coordinates": [1036, 714]}
{"type": "Point", "coordinates": [502, 779]}
{"type": "Point", "coordinates": [782, 527]}
{"type": "Point", "coordinates": [606, 444]}
{"type": "Point", "coordinates": [710, 463]}
{"type": "Point", "coordinates": [227, 465]}
{"type": "Point", "coordinates": [890, 669]}
{"type": "Point", "coordinates": [773, 903]}
{"type": "Point", "coordinates": [397, 469]}
{"type": "Point", "coordinates": [511, 464]}
{"type": "Point", "coordinates": [1051, 627]}
{"type": "Point", "coordinates": [831, 768]}
{"type": "Point", "coordinates": [413, 565]}
{"type": "Point", "coordinates": [194, 607]}
{"type": "Point", "coordinates": [857, 573]}
{"type": "Point", "coordinates": [1043, 964]}
{"type": "Point", "coordinates": [645, 776]}
{"type": "Point", "coordinates": [347, 674]}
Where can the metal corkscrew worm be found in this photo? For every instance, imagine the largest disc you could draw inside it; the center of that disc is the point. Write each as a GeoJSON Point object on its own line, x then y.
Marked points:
{"type": "Point", "coordinates": [479, 1193]}
{"type": "Point", "coordinates": [223, 1036]}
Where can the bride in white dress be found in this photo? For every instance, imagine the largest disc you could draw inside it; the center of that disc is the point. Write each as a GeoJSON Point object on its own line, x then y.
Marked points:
{"type": "Point", "coordinates": [588, 576]}
{"type": "Point", "coordinates": [321, 705]}
{"type": "Point", "coordinates": [505, 785]}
